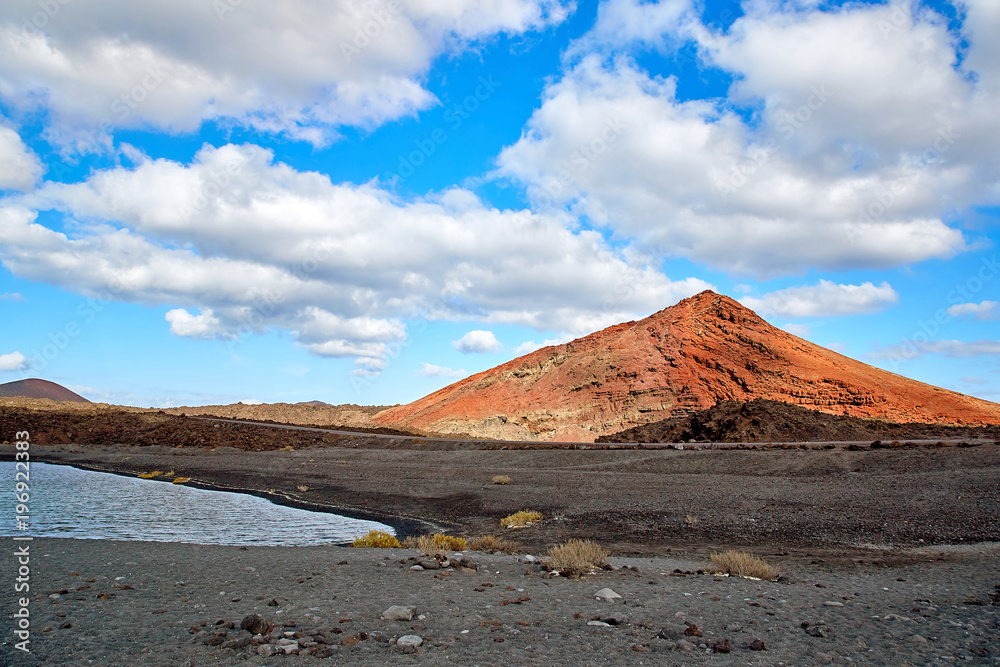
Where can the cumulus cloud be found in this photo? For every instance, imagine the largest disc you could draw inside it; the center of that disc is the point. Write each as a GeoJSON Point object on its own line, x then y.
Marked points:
{"type": "Point", "coordinates": [204, 325]}
{"type": "Point", "coordinates": [529, 346]}
{"type": "Point", "coordinates": [477, 341]}
{"type": "Point", "coordinates": [824, 299]}
{"type": "Point", "coordinates": [12, 296]}
{"type": "Point", "coordinates": [849, 162]}
{"type": "Point", "coordinates": [800, 330]}
{"type": "Point", "coordinates": [255, 245]}
{"type": "Point", "coordinates": [14, 361]}
{"type": "Point", "coordinates": [298, 67]}
{"type": "Point", "coordinates": [432, 371]}
{"type": "Point", "coordinates": [947, 348]}
{"type": "Point", "coordinates": [985, 310]}
{"type": "Point", "coordinates": [20, 168]}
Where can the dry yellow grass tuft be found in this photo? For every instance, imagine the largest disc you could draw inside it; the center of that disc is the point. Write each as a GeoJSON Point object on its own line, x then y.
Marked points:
{"type": "Point", "coordinates": [181, 480]}
{"type": "Point", "coordinates": [430, 545]}
{"type": "Point", "coordinates": [303, 488]}
{"type": "Point", "coordinates": [521, 519]}
{"type": "Point", "coordinates": [151, 475]}
{"type": "Point", "coordinates": [742, 564]}
{"type": "Point", "coordinates": [501, 479]}
{"type": "Point", "coordinates": [493, 544]}
{"type": "Point", "coordinates": [376, 539]}
{"type": "Point", "coordinates": [578, 557]}
{"type": "Point", "coordinates": [691, 520]}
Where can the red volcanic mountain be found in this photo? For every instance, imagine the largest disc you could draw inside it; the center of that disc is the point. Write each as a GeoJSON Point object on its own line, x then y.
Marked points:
{"type": "Point", "coordinates": [687, 357]}
{"type": "Point", "coordinates": [35, 388]}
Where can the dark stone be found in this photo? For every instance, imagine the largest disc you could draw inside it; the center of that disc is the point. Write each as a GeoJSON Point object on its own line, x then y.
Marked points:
{"type": "Point", "coordinates": [757, 645]}
{"type": "Point", "coordinates": [254, 624]}
{"type": "Point", "coordinates": [721, 647]}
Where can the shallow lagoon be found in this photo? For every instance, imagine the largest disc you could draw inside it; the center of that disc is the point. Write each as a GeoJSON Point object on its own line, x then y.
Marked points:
{"type": "Point", "coordinates": [83, 504]}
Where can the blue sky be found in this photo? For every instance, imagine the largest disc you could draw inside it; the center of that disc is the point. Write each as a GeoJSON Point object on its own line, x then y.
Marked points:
{"type": "Point", "coordinates": [361, 202]}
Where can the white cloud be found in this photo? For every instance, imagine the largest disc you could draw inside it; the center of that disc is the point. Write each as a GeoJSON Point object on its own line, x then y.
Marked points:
{"type": "Point", "coordinates": [204, 325]}
{"type": "Point", "coordinates": [864, 139]}
{"type": "Point", "coordinates": [529, 346]}
{"type": "Point", "coordinates": [800, 330]}
{"type": "Point", "coordinates": [432, 371]}
{"type": "Point", "coordinates": [14, 361]}
{"type": "Point", "coordinates": [341, 266]}
{"type": "Point", "coordinates": [477, 341]}
{"type": "Point", "coordinates": [824, 299]}
{"type": "Point", "coordinates": [20, 168]}
{"type": "Point", "coordinates": [973, 380]}
{"type": "Point", "coordinates": [297, 67]}
{"type": "Point", "coordinates": [985, 310]}
{"type": "Point", "coordinates": [13, 296]}
{"type": "Point", "coordinates": [948, 348]}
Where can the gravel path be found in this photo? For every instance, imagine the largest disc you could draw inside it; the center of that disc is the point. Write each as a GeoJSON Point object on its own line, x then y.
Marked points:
{"type": "Point", "coordinates": [140, 603]}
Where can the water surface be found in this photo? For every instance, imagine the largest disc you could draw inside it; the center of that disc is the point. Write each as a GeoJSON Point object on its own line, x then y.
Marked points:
{"type": "Point", "coordinates": [69, 502]}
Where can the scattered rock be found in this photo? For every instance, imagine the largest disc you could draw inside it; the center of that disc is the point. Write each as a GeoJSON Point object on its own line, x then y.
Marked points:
{"type": "Point", "coordinates": [917, 639]}
{"type": "Point", "coordinates": [254, 624]}
{"type": "Point", "coordinates": [685, 645]}
{"type": "Point", "coordinates": [378, 636]}
{"type": "Point", "coordinates": [833, 603]}
{"type": "Point", "coordinates": [757, 645]}
{"type": "Point", "coordinates": [416, 568]}
{"type": "Point", "coordinates": [607, 595]}
{"type": "Point", "coordinates": [411, 642]}
{"type": "Point", "coordinates": [266, 650]}
{"type": "Point", "coordinates": [692, 630]}
{"type": "Point", "coordinates": [398, 613]}
{"type": "Point", "coordinates": [599, 624]}
{"type": "Point", "coordinates": [721, 647]}
{"type": "Point", "coordinates": [429, 564]}
{"type": "Point", "coordinates": [815, 631]}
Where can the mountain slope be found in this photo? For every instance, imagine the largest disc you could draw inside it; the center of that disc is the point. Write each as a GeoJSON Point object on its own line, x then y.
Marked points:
{"type": "Point", "coordinates": [35, 388]}
{"type": "Point", "coordinates": [687, 357]}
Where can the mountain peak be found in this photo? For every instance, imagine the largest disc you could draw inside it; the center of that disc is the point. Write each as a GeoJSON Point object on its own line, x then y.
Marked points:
{"type": "Point", "coordinates": [702, 350]}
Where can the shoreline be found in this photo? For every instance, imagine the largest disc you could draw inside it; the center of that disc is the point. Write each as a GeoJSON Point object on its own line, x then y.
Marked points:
{"type": "Point", "coordinates": [634, 502]}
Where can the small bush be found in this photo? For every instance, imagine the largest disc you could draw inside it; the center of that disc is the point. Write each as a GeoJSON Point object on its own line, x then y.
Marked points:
{"type": "Point", "coordinates": [493, 544]}
{"type": "Point", "coordinates": [577, 557]}
{"type": "Point", "coordinates": [437, 543]}
{"type": "Point", "coordinates": [501, 479]}
{"type": "Point", "coordinates": [691, 520]}
{"type": "Point", "coordinates": [521, 519]}
{"type": "Point", "coordinates": [742, 564]}
{"type": "Point", "coordinates": [376, 539]}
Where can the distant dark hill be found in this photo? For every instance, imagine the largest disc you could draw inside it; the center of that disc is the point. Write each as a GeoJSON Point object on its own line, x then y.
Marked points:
{"type": "Point", "coordinates": [312, 403]}
{"type": "Point", "coordinates": [35, 388]}
{"type": "Point", "coordinates": [763, 420]}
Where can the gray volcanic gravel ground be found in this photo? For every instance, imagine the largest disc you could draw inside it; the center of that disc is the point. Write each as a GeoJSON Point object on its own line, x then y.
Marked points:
{"type": "Point", "coordinates": [635, 501]}
{"type": "Point", "coordinates": [136, 603]}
